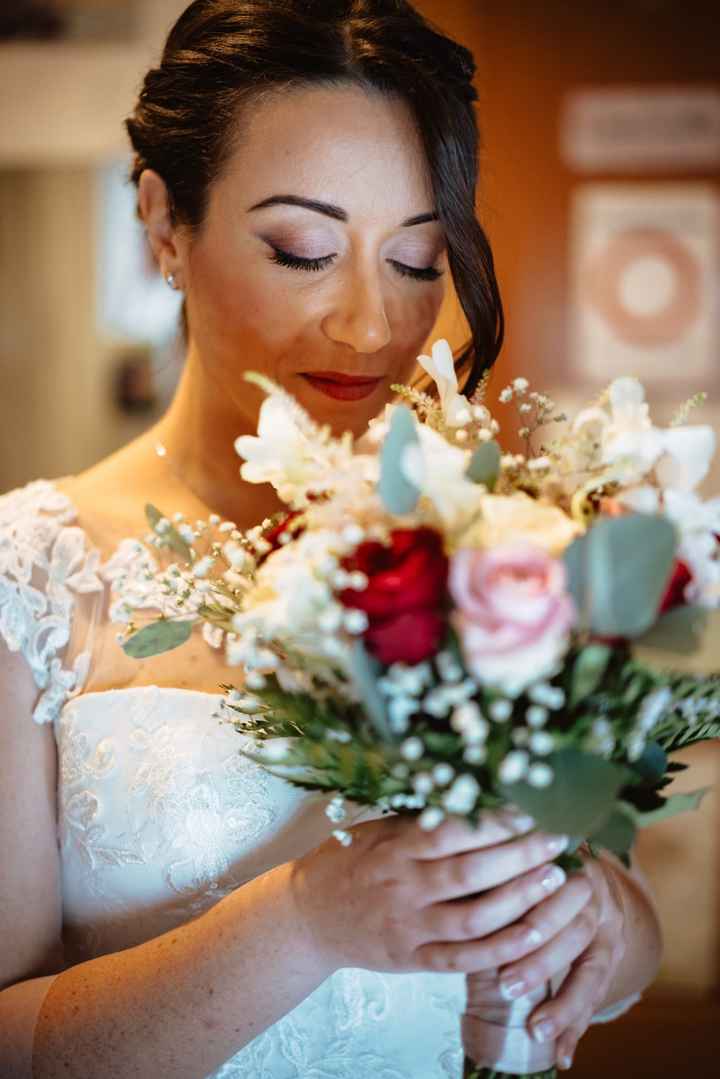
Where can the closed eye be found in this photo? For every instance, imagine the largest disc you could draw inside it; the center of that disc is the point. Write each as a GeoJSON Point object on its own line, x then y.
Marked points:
{"type": "Point", "coordinates": [294, 262]}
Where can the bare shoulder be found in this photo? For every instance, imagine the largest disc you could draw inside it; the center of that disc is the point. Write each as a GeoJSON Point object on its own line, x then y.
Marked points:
{"type": "Point", "coordinates": [110, 497]}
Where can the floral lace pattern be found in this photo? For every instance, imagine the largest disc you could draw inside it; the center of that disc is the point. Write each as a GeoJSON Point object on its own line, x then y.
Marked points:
{"type": "Point", "coordinates": [43, 564]}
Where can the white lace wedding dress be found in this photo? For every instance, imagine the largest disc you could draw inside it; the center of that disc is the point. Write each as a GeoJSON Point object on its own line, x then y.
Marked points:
{"type": "Point", "coordinates": [159, 817]}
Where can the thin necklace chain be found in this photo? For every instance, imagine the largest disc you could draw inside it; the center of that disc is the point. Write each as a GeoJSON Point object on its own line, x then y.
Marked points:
{"type": "Point", "coordinates": [162, 453]}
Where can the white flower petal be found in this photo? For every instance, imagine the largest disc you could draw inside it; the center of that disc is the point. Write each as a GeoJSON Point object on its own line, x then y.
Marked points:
{"type": "Point", "coordinates": [641, 499]}
{"type": "Point", "coordinates": [688, 454]}
{"type": "Point", "coordinates": [627, 395]}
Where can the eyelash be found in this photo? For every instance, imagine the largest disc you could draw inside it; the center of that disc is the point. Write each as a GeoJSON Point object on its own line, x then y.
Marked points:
{"type": "Point", "coordinates": [284, 258]}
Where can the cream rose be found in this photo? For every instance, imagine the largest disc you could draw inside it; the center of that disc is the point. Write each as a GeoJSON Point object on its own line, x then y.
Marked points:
{"type": "Point", "coordinates": [520, 519]}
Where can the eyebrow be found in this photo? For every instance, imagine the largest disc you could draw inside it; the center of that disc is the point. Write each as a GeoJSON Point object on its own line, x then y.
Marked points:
{"type": "Point", "coordinates": [329, 210]}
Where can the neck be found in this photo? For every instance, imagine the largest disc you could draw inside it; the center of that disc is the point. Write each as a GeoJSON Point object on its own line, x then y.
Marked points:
{"type": "Point", "coordinates": [199, 431]}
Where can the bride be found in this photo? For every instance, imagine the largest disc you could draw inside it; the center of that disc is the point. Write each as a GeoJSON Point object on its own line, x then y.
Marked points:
{"type": "Point", "coordinates": [306, 173]}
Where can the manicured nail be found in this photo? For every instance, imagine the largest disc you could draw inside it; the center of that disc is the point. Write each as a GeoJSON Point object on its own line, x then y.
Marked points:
{"type": "Point", "coordinates": [553, 879]}
{"type": "Point", "coordinates": [557, 844]}
{"type": "Point", "coordinates": [565, 1061]}
{"type": "Point", "coordinates": [543, 1031]}
{"type": "Point", "coordinates": [523, 822]}
{"type": "Point", "coordinates": [512, 990]}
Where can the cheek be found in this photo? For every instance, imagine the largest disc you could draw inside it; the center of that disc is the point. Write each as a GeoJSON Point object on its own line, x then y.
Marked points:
{"type": "Point", "coordinates": [424, 310]}
{"type": "Point", "coordinates": [243, 296]}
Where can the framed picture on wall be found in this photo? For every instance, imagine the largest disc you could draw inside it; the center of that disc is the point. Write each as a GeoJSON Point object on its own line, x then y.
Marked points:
{"type": "Point", "coordinates": [644, 277]}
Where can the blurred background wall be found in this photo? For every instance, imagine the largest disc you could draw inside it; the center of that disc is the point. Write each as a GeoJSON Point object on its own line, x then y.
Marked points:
{"type": "Point", "coordinates": [600, 192]}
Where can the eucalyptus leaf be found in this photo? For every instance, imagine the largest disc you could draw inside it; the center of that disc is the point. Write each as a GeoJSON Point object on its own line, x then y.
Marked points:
{"type": "Point", "coordinates": [171, 535]}
{"type": "Point", "coordinates": [161, 636]}
{"type": "Point", "coordinates": [676, 803]}
{"type": "Point", "coordinates": [686, 639]}
{"type": "Point", "coordinates": [588, 670]}
{"type": "Point", "coordinates": [580, 798]}
{"type": "Point", "coordinates": [618, 572]}
{"type": "Point", "coordinates": [575, 558]}
{"type": "Point", "coordinates": [617, 833]}
{"type": "Point", "coordinates": [484, 465]}
{"type": "Point", "coordinates": [366, 671]}
{"type": "Point", "coordinates": [397, 492]}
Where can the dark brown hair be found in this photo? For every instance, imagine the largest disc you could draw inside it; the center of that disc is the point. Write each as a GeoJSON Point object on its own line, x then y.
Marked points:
{"type": "Point", "coordinates": [222, 54]}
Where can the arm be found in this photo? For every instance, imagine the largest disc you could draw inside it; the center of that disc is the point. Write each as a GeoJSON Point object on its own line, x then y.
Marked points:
{"type": "Point", "coordinates": [177, 1005]}
{"type": "Point", "coordinates": [180, 1004]}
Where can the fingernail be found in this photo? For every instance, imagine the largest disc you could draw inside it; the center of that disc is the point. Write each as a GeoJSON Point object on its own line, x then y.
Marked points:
{"type": "Point", "coordinates": [565, 1061]}
{"type": "Point", "coordinates": [523, 822]}
{"type": "Point", "coordinates": [554, 878]}
{"type": "Point", "coordinates": [543, 1031]}
{"type": "Point", "coordinates": [533, 937]}
{"type": "Point", "coordinates": [512, 990]}
{"type": "Point", "coordinates": [557, 844]}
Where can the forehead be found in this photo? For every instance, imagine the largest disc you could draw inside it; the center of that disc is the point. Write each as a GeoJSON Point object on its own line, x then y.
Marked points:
{"type": "Point", "coordinates": [340, 144]}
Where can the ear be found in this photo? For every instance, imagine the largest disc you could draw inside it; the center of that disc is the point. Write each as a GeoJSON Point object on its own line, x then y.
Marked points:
{"type": "Point", "coordinates": [154, 203]}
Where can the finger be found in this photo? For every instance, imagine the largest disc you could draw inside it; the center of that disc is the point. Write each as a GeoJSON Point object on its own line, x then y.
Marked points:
{"type": "Point", "coordinates": [573, 1005]}
{"type": "Point", "coordinates": [568, 927]}
{"type": "Point", "coordinates": [467, 919]}
{"type": "Point", "coordinates": [456, 834]}
{"type": "Point", "coordinates": [566, 1046]}
{"type": "Point", "coordinates": [479, 870]}
{"type": "Point", "coordinates": [510, 945]}
{"type": "Point", "coordinates": [474, 956]}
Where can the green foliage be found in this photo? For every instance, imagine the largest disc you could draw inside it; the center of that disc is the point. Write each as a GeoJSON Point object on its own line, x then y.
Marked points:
{"type": "Point", "coordinates": [580, 798]}
{"type": "Point", "coordinates": [676, 803]}
{"type": "Point", "coordinates": [398, 493]}
{"type": "Point", "coordinates": [484, 465]}
{"type": "Point", "coordinates": [588, 670]}
{"type": "Point", "coordinates": [170, 536]}
{"type": "Point", "coordinates": [617, 833]}
{"type": "Point", "coordinates": [366, 671]}
{"type": "Point", "coordinates": [618, 571]}
{"type": "Point", "coordinates": [653, 763]}
{"type": "Point", "coordinates": [160, 636]}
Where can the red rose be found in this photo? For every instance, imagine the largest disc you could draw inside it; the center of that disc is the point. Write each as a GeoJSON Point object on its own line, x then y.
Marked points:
{"type": "Point", "coordinates": [272, 536]}
{"type": "Point", "coordinates": [407, 582]}
{"type": "Point", "coordinates": [675, 591]}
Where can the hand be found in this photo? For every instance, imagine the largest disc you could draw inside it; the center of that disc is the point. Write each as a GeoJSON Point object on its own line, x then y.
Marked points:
{"type": "Point", "coordinates": [399, 898]}
{"type": "Point", "coordinates": [590, 942]}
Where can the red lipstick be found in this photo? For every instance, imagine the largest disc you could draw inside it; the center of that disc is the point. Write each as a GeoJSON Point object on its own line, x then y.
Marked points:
{"type": "Point", "coordinates": [342, 387]}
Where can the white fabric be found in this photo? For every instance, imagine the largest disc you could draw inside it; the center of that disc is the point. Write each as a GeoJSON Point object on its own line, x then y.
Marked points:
{"type": "Point", "coordinates": [159, 817]}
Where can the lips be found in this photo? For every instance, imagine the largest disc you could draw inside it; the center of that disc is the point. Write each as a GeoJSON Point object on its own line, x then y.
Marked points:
{"type": "Point", "coordinates": [342, 387]}
{"type": "Point", "coordinates": [344, 380]}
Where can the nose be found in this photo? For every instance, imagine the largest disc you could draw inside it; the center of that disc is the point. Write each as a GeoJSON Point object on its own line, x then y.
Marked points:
{"type": "Point", "coordinates": [358, 317]}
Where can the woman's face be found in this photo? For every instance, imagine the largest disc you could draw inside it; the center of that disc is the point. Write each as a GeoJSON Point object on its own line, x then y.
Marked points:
{"type": "Point", "coordinates": [365, 285]}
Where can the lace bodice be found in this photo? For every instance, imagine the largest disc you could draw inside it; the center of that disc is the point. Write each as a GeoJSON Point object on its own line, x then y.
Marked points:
{"type": "Point", "coordinates": [159, 817]}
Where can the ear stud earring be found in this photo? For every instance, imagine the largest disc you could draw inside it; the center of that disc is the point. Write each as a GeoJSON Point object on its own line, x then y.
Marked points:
{"type": "Point", "coordinates": [170, 278]}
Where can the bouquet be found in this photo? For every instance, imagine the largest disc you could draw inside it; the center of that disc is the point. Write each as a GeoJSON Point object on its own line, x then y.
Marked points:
{"type": "Point", "coordinates": [440, 628]}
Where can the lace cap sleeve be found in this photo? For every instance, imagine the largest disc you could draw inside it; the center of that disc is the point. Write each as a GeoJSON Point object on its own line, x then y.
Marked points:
{"type": "Point", "coordinates": [44, 563]}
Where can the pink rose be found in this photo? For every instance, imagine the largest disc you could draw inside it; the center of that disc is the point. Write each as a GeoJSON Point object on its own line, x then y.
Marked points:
{"type": "Point", "coordinates": [513, 614]}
